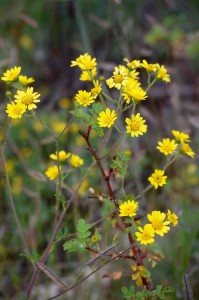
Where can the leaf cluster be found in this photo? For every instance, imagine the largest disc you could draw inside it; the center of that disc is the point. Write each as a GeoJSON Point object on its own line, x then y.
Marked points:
{"type": "Point", "coordinates": [158, 294]}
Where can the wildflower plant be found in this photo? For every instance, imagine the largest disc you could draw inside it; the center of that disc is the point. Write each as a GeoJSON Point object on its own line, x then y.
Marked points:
{"type": "Point", "coordinates": [103, 114]}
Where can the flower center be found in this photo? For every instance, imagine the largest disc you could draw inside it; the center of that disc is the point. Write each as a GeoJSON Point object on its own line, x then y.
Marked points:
{"type": "Point", "coordinates": [157, 225]}
{"type": "Point", "coordinates": [108, 120]}
{"type": "Point", "coordinates": [17, 110]}
{"type": "Point", "coordinates": [118, 78]}
{"type": "Point", "coordinates": [27, 99]}
{"type": "Point", "coordinates": [135, 126]}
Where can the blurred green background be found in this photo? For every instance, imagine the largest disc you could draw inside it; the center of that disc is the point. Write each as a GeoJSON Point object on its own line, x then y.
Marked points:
{"type": "Point", "coordinates": [43, 37]}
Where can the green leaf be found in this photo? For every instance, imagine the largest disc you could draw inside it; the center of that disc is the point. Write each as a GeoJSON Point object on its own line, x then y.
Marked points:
{"type": "Point", "coordinates": [128, 293]}
{"type": "Point", "coordinates": [62, 234]}
{"type": "Point", "coordinates": [33, 257]}
{"type": "Point", "coordinates": [82, 226]}
{"type": "Point", "coordinates": [97, 108]}
{"type": "Point", "coordinates": [167, 290]}
{"type": "Point", "coordinates": [108, 207]}
{"type": "Point", "coordinates": [73, 246]}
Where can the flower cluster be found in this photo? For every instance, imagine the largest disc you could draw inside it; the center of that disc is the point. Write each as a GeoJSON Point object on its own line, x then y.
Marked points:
{"type": "Point", "coordinates": [125, 79]}
{"type": "Point", "coordinates": [168, 146]}
{"type": "Point", "coordinates": [74, 160]}
{"type": "Point", "coordinates": [25, 98]}
{"type": "Point", "coordinates": [159, 224]}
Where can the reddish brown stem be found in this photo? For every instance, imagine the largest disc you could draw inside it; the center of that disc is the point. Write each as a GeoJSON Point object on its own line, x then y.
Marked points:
{"type": "Point", "coordinates": [97, 159]}
{"type": "Point", "coordinates": [136, 252]}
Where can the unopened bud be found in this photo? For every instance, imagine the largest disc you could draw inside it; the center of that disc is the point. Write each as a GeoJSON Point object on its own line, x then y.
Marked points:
{"type": "Point", "coordinates": [91, 190]}
{"type": "Point", "coordinates": [8, 94]}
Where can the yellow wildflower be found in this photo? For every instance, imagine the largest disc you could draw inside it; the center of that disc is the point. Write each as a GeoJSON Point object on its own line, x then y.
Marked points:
{"type": "Point", "coordinates": [119, 78]}
{"type": "Point", "coordinates": [84, 62]}
{"type": "Point", "coordinates": [52, 172]}
{"type": "Point", "coordinates": [146, 234]}
{"type": "Point", "coordinates": [133, 91]}
{"type": "Point", "coordinates": [28, 97]}
{"type": "Point", "coordinates": [172, 218]}
{"type": "Point", "coordinates": [107, 118]}
{"type": "Point", "coordinates": [97, 89]}
{"type": "Point", "coordinates": [181, 136]}
{"type": "Point", "coordinates": [62, 155]}
{"type": "Point", "coordinates": [88, 75]}
{"type": "Point", "coordinates": [167, 146]}
{"type": "Point", "coordinates": [84, 98]}
{"type": "Point", "coordinates": [25, 80]}
{"type": "Point", "coordinates": [157, 221]}
{"type": "Point", "coordinates": [65, 103]}
{"type": "Point", "coordinates": [128, 208]}
{"type": "Point", "coordinates": [94, 238]}
{"type": "Point", "coordinates": [134, 64]}
{"type": "Point", "coordinates": [162, 73]}
{"type": "Point", "coordinates": [157, 178]}
{"type": "Point", "coordinates": [15, 110]}
{"type": "Point", "coordinates": [186, 149]}
{"type": "Point", "coordinates": [149, 67]}
{"type": "Point", "coordinates": [11, 75]}
{"type": "Point", "coordinates": [135, 125]}
{"type": "Point", "coordinates": [76, 161]}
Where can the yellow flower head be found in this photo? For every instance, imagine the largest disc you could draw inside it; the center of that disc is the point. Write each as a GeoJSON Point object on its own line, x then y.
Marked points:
{"type": "Point", "coordinates": [162, 73]}
{"type": "Point", "coordinates": [94, 238]}
{"type": "Point", "coordinates": [181, 136]}
{"type": "Point", "coordinates": [11, 75]}
{"type": "Point", "coordinates": [186, 149]}
{"type": "Point", "coordinates": [52, 172]}
{"type": "Point", "coordinates": [88, 75]}
{"type": "Point", "coordinates": [134, 64]}
{"type": "Point", "coordinates": [128, 208]}
{"type": "Point", "coordinates": [107, 118]}
{"type": "Point", "coordinates": [27, 97]}
{"type": "Point", "coordinates": [65, 102]}
{"type": "Point", "coordinates": [133, 91]}
{"type": "Point", "coordinates": [172, 218]}
{"type": "Point", "coordinates": [84, 62]}
{"type": "Point", "coordinates": [167, 146]}
{"type": "Point", "coordinates": [62, 155]}
{"type": "Point", "coordinates": [84, 98]}
{"type": "Point", "coordinates": [157, 178]}
{"type": "Point", "coordinates": [119, 78]}
{"type": "Point", "coordinates": [133, 74]}
{"type": "Point", "coordinates": [157, 221]}
{"type": "Point", "coordinates": [97, 89]}
{"type": "Point", "coordinates": [146, 234]}
{"type": "Point", "coordinates": [15, 110]}
{"type": "Point", "coordinates": [135, 125]}
{"type": "Point", "coordinates": [76, 161]}
{"type": "Point", "coordinates": [149, 67]}
{"type": "Point", "coordinates": [25, 80]}
{"type": "Point", "coordinates": [128, 152]}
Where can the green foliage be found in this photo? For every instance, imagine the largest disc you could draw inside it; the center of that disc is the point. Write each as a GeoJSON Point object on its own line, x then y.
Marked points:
{"type": "Point", "coordinates": [107, 208]}
{"type": "Point", "coordinates": [120, 163]}
{"type": "Point", "coordinates": [83, 234]}
{"type": "Point", "coordinates": [90, 117]}
{"type": "Point", "coordinates": [62, 233]}
{"type": "Point", "coordinates": [33, 257]}
{"type": "Point", "coordinates": [158, 294]}
{"type": "Point", "coordinates": [128, 293]}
